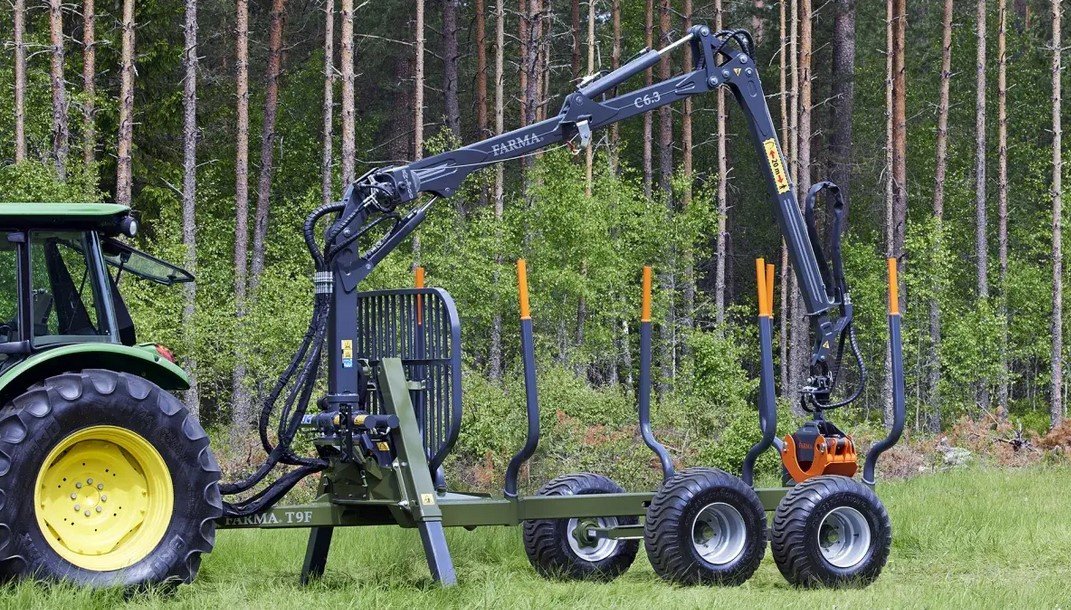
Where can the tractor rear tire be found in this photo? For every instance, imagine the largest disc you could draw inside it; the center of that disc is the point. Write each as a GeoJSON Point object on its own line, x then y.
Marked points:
{"type": "Point", "coordinates": [105, 480]}
{"type": "Point", "coordinates": [557, 549]}
{"type": "Point", "coordinates": [831, 531]}
{"type": "Point", "coordinates": [705, 527]}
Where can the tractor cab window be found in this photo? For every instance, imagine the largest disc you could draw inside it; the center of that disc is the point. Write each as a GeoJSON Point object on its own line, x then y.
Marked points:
{"type": "Point", "coordinates": [9, 293]}
{"type": "Point", "coordinates": [66, 298]}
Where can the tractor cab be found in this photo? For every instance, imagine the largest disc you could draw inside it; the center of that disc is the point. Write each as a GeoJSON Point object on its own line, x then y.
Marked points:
{"type": "Point", "coordinates": [60, 265]}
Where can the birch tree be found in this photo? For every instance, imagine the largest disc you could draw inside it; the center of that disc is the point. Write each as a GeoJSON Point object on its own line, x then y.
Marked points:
{"type": "Point", "coordinates": [1056, 413]}
{"type": "Point", "coordinates": [934, 365]}
{"type": "Point", "coordinates": [124, 164]}
{"type": "Point", "coordinates": [189, 196]}
{"type": "Point", "coordinates": [20, 80]}
{"type": "Point", "coordinates": [1002, 201]}
{"type": "Point", "coordinates": [89, 84]}
{"type": "Point", "coordinates": [241, 408]}
{"type": "Point", "coordinates": [349, 128]}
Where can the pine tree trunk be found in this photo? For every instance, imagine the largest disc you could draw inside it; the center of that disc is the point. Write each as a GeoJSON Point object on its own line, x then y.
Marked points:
{"type": "Point", "coordinates": [723, 193]}
{"type": "Point", "coordinates": [792, 311]}
{"type": "Point", "coordinates": [20, 80]}
{"type": "Point", "coordinates": [418, 83]}
{"type": "Point", "coordinates": [418, 104]}
{"type": "Point", "coordinates": [89, 83]}
{"type": "Point", "coordinates": [241, 415]}
{"type": "Point", "coordinates": [934, 364]}
{"type": "Point", "coordinates": [189, 199]}
{"type": "Point", "coordinates": [349, 121]}
{"type": "Point", "coordinates": [981, 239]}
{"type": "Point", "coordinates": [786, 140]}
{"type": "Point", "coordinates": [124, 164]}
{"type": "Point", "coordinates": [688, 291]}
{"type": "Point", "coordinates": [665, 184]}
{"type": "Point", "coordinates": [1002, 201]}
{"type": "Point", "coordinates": [535, 50]}
{"type": "Point", "coordinates": [589, 152]}
{"type": "Point", "coordinates": [495, 357]}
{"type": "Point", "coordinates": [327, 163]}
{"type": "Point", "coordinates": [450, 55]}
{"type": "Point", "coordinates": [524, 24]}
{"type": "Point", "coordinates": [574, 16]}
{"type": "Point", "coordinates": [546, 38]}
{"type": "Point", "coordinates": [615, 63]}
{"type": "Point", "coordinates": [899, 148]}
{"type": "Point", "coordinates": [648, 119]}
{"type": "Point", "coordinates": [1056, 412]}
{"type": "Point", "coordinates": [843, 94]}
{"type": "Point", "coordinates": [481, 71]}
{"type": "Point", "coordinates": [60, 134]}
{"type": "Point", "coordinates": [800, 328]}
{"type": "Point", "coordinates": [267, 143]}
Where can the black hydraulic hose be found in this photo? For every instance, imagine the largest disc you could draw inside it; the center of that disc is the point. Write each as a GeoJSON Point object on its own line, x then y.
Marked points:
{"type": "Point", "coordinates": [269, 495]}
{"type": "Point", "coordinates": [275, 453]}
{"type": "Point", "coordinates": [313, 334]}
{"type": "Point", "coordinates": [309, 231]}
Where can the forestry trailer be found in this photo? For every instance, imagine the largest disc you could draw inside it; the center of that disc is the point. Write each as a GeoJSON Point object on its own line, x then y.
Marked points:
{"type": "Point", "coordinates": [106, 479]}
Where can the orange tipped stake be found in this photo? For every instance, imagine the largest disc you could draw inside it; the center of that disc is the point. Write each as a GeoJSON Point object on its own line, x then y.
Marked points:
{"type": "Point", "coordinates": [645, 309]}
{"type": "Point", "coordinates": [418, 281]}
{"type": "Point", "coordinates": [769, 289]}
{"type": "Point", "coordinates": [894, 289]}
{"type": "Point", "coordinates": [760, 277]}
{"type": "Point", "coordinates": [522, 288]}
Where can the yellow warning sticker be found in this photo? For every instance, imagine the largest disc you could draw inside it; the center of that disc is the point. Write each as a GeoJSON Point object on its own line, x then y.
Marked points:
{"type": "Point", "coordinates": [427, 499]}
{"type": "Point", "coordinates": [777, 167]}
{"type": "Point", "coordinates": [736, 71]}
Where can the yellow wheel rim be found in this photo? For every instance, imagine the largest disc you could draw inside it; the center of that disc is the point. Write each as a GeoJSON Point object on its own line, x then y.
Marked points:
{"type": "Point", "coordinates": [103, 498]}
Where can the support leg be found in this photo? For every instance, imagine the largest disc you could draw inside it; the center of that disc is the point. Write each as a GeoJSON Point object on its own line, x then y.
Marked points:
{"type": "Point", "coordinates": [316, 553]}
{"type": "Point", "coordinates": [435, 549]}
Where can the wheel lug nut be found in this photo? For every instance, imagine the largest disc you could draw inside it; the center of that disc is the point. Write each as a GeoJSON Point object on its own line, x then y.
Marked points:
{"type": "Point", "coordinates": [74, 496]}
{"type": "Point", "coordinates": [77, 507]}
{"type": "Point", "coordinates": [103, 498]}
{"type": "Point", "coordinates": [78, 485]}
{"type": "Point", "coordinates": [88, 513]}
{"type": "Point", "coordinates": [99, 509]}
{"type": "Point", "coordinates": [100, 485]}
{"type": "Point", "coordinates": [89, 481]}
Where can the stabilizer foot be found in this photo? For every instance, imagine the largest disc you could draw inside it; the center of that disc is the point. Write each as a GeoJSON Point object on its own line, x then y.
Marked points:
{"type": "Point", "coordinates": [316, 554]}
{"type": "Point", "coordinates": [439, 561]}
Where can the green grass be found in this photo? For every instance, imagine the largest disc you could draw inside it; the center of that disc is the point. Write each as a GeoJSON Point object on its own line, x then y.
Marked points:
{"type": "Point", "coordinates": [965, 539]}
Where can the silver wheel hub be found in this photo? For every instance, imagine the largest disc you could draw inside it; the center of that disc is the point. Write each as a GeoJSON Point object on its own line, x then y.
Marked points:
{"type": "Point", "coordinates": [844, 537]}
{"type": "Point", "coordinates": [719, 534]}
{"type": "Point", "coordinates": [586, 544]}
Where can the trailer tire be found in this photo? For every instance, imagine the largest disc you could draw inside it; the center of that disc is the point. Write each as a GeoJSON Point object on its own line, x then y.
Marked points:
{"type": "Point", "coordinates": [78, 448]}
{"type": "Point", "coordinates": [831, 531]}
{"type": "Point", "coordinates": [555, 552]}
{"type": "Point", "coordinates": [705, 526]}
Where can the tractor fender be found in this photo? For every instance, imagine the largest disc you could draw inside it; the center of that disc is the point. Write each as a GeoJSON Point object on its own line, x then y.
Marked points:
{"type": "Point", "coordinates": [143, 361]}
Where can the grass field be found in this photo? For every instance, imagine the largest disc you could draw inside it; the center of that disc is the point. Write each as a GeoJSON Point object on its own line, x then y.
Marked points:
{"type": "Point", "coordinates": [965, 539]}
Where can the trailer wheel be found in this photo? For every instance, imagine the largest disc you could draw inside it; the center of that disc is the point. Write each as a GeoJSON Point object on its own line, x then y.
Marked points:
{"type": "Point", "coordinates": [562, 548]}
{"type": "Point", "coordinates": [105, 480]}
{"type": "Point", "coordinates": [705, 526]}
{"type": "Point", "coordinates": [831, 531]}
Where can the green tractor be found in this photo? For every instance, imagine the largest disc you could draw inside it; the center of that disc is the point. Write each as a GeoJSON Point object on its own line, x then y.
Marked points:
{"type": "Point", "coordinates": [105, 477]}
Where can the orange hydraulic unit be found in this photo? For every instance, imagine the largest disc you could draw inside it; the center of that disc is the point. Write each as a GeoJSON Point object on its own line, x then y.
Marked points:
{"type": "Point", "coordinates": [810, 452]}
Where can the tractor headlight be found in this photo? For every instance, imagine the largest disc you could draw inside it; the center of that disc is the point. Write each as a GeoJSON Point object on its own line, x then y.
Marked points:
{"type": "Point", "coordinates": [129, 226]}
